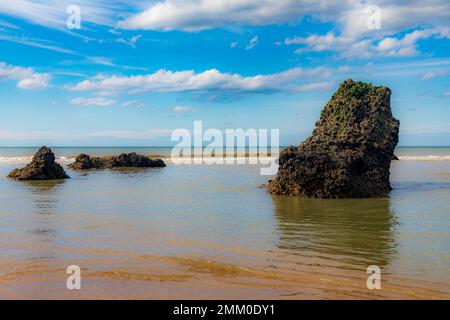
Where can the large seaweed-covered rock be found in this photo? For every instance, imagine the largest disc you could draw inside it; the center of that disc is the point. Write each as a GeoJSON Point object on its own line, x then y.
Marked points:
{"type": "Point", "coordinates": [132, 160]}
{"type": "Point", "coordinates": [42, 167]}
{"type": "Point", "coordinates": [350, 150]}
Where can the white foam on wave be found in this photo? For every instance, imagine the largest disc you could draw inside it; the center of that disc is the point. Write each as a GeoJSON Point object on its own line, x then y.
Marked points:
{"type": "Point", "coordinates": [27, 159]}
{"type": "Point", "coordinates": [251, 159]}
{"type": "Point", "coordinates": [424, 158]}
{"type": "Point", "coordinates": [65, 160]}
{"type": "Point", "coordinates": [20, 159]}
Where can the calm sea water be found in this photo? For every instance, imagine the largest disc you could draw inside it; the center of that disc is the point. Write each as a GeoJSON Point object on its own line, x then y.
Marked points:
{"type": "Point", "coordinates": [200, 231]}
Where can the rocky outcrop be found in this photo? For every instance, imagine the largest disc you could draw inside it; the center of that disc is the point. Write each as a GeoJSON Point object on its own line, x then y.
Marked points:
{"type": "Point", "coordinates": [132, 160]}
{"type": "Point", "coordinates": [350, 150]}
{"type": "Point", "coordinates": [42, 167]}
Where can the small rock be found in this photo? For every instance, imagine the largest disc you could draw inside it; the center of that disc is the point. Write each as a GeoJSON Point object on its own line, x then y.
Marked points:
{"type": "Point", "coordinates": [42, 167]}
{"type": "Point", "coordinates": [131, 160]}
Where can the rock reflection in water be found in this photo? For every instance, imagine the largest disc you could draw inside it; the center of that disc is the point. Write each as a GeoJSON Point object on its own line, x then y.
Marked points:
{"type": "Point", "coordinates": [44, 194]}
{"type": "Point", "coordinates": [350, 231]}
{"type": "Point", "coordinates": [43, 221]}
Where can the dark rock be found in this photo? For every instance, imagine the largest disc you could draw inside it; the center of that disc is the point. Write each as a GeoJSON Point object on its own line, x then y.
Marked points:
{"type": "Point", "coordinates": [42, 167]}
{"type": "Point", "coordinates": [350, 150]}
{"type": "Point", "coordinates": [83, 161]}
{"type": "Point", "coordinates": [394, 157]}
{"type": "Point", "coordinates": [131, 160]}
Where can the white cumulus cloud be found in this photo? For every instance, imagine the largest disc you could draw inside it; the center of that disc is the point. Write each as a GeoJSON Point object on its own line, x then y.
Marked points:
{"type": "Point", "coordinates": [347, 46]}
{"type": "Point", "coordinates": [395, 15]}
{"type": "Point", "coordinates": [26, 78]}
{"type": "Point", "coordinates": [98, 101]}
{"type": "Point", "coordinates": [211, 81]}
{"type": "Point", "coordinates": [351, 15]}
{"type": "Point", "coordinates": [195, 15]}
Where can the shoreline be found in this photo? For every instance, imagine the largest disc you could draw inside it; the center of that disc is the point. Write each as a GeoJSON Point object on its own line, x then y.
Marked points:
{"type": "Point", "coordinates": [156, 277]}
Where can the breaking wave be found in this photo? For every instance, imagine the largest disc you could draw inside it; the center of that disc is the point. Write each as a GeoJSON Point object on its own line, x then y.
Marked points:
{"type": "Point", "coordinates": [425, 158]}
{"type": "Point", "coordinates": [27, 159]}
{"type": "Point", "coordinates": [67, 160]}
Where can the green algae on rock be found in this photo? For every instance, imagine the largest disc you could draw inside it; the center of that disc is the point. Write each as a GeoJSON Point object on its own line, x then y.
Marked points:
{"type": "Point", "coordinates": [350, 150]}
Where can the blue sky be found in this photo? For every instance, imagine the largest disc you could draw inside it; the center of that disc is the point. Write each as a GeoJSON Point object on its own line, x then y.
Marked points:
{"type": "Point", "coordinates": [137, 70]}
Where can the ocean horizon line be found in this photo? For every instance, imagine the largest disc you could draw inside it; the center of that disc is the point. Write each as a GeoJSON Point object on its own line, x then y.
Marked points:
{"type": "Point", "coordinates": [168, 147]}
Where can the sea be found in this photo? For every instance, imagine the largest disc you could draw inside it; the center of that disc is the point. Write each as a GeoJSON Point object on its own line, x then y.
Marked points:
{"type": "Point", "coordinates": [211, 231]}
